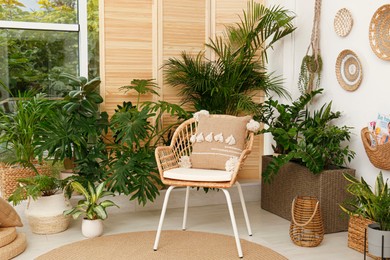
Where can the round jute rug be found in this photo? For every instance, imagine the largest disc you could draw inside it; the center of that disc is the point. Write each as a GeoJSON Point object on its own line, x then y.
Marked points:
{"type": "Point", "coordinates": [173, 245]}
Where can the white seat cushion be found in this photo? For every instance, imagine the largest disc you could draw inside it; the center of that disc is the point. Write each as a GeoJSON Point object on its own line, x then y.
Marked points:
{"type": "Point", "coordinates": [193, 174]}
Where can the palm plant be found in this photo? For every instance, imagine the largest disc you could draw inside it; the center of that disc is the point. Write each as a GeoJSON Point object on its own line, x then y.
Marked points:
{"type": "Point", "coordinates": [19, 128]}
{"type": "Point", "coordinates": [228, 84]}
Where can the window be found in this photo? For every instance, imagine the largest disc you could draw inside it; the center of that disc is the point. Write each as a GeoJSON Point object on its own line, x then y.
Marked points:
{"type": "Point", "coordinates": [40, 39]}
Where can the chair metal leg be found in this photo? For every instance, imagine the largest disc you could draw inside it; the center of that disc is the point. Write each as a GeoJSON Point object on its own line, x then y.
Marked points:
{"type": "Point", "coordinates": [248, 225]}
{"type": "Point", "coordinates": [233, 219]}
{"type": "Point", "coordinates": [164, 209]}
{"type": "Point", "coordinates": [186, 208]}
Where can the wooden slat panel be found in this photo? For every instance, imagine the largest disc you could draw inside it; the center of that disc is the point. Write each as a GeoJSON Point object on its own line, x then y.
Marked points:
{"type": "Point", "coordinates": [127, 48]}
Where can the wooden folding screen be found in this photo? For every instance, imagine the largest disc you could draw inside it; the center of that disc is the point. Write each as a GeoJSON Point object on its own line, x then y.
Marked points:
{"type": "Point", "coordinates": [137, 36]}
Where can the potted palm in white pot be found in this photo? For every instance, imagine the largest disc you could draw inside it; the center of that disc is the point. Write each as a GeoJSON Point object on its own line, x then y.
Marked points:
{"type": "Point", "coordinates": [91, 207]}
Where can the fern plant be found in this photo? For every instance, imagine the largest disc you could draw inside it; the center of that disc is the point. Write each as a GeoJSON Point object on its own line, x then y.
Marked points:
{"type": "Point", "coordinates": [308, 138]}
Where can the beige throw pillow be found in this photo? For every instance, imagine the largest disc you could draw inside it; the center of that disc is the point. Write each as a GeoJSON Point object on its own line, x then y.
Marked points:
{"type": "Point", "coordinates": [8, 216]}
{"type": "Point", "coordinates": [217, 140]}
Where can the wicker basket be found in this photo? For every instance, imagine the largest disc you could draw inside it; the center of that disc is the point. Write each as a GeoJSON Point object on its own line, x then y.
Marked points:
{"type": "Point", "coordinates": [379, 155]}
{"type": "Point", "coordinates": [9, 175]}
{"type": "Point", "coordinates": [356, 229]}
{"type": "Point", "coordinates": [306, 227]}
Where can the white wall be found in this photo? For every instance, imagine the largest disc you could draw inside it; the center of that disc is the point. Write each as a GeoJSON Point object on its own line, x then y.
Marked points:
{"type": "Point", "coordinates": [358, 107]}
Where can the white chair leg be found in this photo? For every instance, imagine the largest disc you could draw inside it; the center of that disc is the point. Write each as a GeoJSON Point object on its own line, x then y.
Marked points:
{"type": "Point", "coordinates": [248, 225]}
{"type": "Point", "coordinates": [186, 208]}
{"type": "Point", "coordinates": [164, 209]}
{"type": "Point", "coordinates": [233, 219]}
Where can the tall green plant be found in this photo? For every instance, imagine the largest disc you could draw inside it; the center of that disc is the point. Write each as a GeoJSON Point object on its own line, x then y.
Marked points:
{"type": "Point", "coordinates": [373, 205]}
{"type": "Point", "coordinates": [19, 128]}
{"type": "Point", "coordinates": [228, 84]}
{"type": "Point", "coordinates": [138, 129]}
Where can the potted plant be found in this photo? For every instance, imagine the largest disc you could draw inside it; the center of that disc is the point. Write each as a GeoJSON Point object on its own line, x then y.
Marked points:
{"type": "Point", "coordinates": [75, 124]}
{"type": "Point", "coordinates": [229, 83]}
{"type": "Point", "coordinates": [46, 203]}
{"type": "Point", "coordinates": [91, 207]}
{"type": "Point", "coordinates": [311, 153]}
{"type": "Point", "coordinates": [137, 129]}
{"type": "Point", "coordinates": [371, 205]}
{"type": "Point", "coordinates": [18, 132]}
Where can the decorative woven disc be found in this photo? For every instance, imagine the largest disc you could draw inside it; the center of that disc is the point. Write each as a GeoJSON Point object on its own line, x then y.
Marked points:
{"type": "Point", "coordinates": [348, 70]}
{"type": "Point", "coordinates": [343, 22]}
{"type": "Point", "coordinates": [379, 32]}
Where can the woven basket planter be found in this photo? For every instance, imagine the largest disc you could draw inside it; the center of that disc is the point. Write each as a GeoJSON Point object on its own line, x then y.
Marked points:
{"type": "Point", "coordinates": [9, 175]}
{"type": "Point", "coordinates": [356, 229]}
{"type": "Point", "coordinates": [294, 179]}
{"type": "Point", "coordinates": [45, 215]}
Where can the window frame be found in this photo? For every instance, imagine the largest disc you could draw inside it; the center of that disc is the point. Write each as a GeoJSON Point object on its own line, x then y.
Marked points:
{"type": "Point", "coordinates": [81, 27]}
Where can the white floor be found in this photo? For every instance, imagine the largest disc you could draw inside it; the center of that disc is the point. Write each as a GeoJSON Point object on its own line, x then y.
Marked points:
{"type": "Point", "coordinates": [268, 230]}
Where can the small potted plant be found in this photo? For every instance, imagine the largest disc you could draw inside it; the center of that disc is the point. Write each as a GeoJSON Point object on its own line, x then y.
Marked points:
{"type": "Point", "coordinates": [374, 206]}
{"type": "Point", "coordinates": [91, 207]}
{"type": "Point", "coordinates": [46, 203]}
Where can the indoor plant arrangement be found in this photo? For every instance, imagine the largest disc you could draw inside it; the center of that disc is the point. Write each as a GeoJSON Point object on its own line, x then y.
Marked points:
{"type": "Point", "coordinates": [229, 83]}
{"type": "Point", "coordinates": [310, 154]}
{"type": "Point", "coordinates": [91, 207]}
{"type": "Point", "coordinates": [371, 205]}
{"type": "Point", "coordinates": [46, 203]}
{"type": "Point", "coordinates": [18, 133]}
{"type": "Point", "coordinates": [307, 138]}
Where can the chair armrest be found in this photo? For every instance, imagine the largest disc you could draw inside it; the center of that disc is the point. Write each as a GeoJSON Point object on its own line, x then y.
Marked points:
{"type": "Point", "coordinates": [165, 159]}
{"type": "Point", "coordinates": [241, 160]}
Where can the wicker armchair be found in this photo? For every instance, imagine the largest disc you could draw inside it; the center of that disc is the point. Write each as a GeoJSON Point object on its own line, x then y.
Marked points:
{"type": "Point", "coordinates": [168, 158]}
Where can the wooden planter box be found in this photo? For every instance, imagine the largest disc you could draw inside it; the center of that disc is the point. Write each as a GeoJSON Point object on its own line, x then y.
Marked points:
{"type": "Point", "coordinates": [294, 179]}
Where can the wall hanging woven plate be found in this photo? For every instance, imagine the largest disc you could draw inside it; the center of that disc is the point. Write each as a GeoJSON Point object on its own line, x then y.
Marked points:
{"type": "Point", "coordinates": [343, 22]}
{"type": "Point", "coordinates": [379, 32]}
{"type": "Point", "coordinates": [349, 70]}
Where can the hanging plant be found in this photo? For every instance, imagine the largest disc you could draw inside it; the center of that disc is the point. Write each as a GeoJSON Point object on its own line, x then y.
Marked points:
{"type": "Point", "coordinates": [311, 66]}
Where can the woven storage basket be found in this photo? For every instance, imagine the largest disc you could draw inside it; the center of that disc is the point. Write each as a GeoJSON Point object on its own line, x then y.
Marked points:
{"type": "Point", "coordinates": [356, 229]}
{"type": "Point", "coordinates": [379, 155]}
{"type": "Point", "coordinates": [48, 225]}
{"type": "Point", "coordinates": [306, 227]}
{"type": "Point", "coordinates": [9, 175]}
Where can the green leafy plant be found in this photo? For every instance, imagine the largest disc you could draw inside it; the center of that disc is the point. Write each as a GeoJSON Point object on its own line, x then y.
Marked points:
{"type": "Point", "coordinates": [19, 127]}
{"type": "Point", "coordinates": [137, 131]}
{"type": "Point", "coordinates": [305, 137]}
{"type": "Point", "coordinates": [310, 73]}
{"type": "Point", "coordinates": [373, 205]}
{"type": "Point", "coordinates": [35, 187]}
{"type": "Point", "coordinates": [228, 84]}
{"type": "Point", "coordinates": [76, 124]}
{"type": "Point", "coordinates": [91, 207]}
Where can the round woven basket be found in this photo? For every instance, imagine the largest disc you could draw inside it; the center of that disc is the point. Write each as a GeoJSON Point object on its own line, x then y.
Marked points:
{"type": "Point", "coordinates": [306, 228]}
{"type": "Point", "coordinates": [379, 32]}
{"type": "Point", "coordinates": [349, 70]}
{"type": "Point", "coordinates": [48, 225]}
{"type": "Point", "coordinates": [9, 175]}
{"type": "Point", "coordinates": [378, 155]}
{"type": "Point", "coordinates": [343, 22]}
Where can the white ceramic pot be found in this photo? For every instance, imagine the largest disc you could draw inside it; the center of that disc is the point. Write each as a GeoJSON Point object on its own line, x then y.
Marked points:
{"type": "Point", "coordinates": [374, 237]}
{"type": "Point", "coordinates": [92, 228]}
{"type": "Point", "coordinates": [45, 215]}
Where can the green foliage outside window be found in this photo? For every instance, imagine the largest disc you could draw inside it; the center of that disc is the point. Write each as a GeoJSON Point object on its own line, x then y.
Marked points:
{"type": "Point", "coordinates": [34, 59]}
